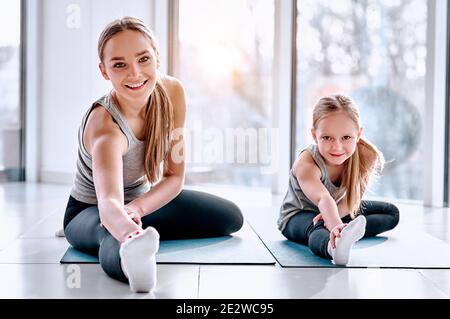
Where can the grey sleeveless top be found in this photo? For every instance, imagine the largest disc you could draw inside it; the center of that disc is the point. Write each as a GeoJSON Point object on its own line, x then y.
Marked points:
{"type": "Point", "coordinates": [295, 200]}
{"type": "Point", "coordinates": [134, 180]}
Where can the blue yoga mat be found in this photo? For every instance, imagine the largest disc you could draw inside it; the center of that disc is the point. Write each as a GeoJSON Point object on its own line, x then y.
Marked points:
{"type": "Point", "coordinates": [402, 247]}
{"type": "Point", "coordinates": [243, 247]}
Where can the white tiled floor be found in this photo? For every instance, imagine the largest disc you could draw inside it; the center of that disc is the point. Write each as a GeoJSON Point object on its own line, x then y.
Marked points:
{"type": "Point", "coordinates": [30, 253]}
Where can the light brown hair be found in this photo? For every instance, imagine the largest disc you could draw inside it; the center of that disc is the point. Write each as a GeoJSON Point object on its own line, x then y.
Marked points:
{"type": "Point", "coordinates": [365, 162]}
{"type": "Point", "coordinates": [158, 123]}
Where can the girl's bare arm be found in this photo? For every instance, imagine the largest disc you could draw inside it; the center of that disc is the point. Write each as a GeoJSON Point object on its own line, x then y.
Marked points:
{"type": "Point", "coordinates": [308, 177]}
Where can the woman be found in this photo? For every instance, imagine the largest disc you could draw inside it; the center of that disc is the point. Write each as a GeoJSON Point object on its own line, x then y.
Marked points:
{"type": "Point", "coordinates": [125, 138]}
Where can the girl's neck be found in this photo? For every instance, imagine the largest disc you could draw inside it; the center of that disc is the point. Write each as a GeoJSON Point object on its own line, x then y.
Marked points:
{"type": "Point", "coordinates": [129, 108]}
{"type": "Point", "coordinates": [335, 172]}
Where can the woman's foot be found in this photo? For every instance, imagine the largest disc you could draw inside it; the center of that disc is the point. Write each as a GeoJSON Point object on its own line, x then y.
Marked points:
{"type": "Point", "coordinates": [353, 232]}
{"type": "Point", "coordinates": [138, 259]}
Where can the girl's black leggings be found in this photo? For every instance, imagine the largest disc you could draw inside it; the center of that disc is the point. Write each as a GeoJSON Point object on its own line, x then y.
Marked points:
{"type": "Point", "coordinates": [191, 214]}
{"type": "Point", "coordinates": [380, 217]}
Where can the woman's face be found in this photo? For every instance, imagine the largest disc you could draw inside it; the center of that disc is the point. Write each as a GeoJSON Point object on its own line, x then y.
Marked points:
{"type": "Point", "coordinates": [336, 135]}
{"type": "Point", "coordinates": [129, 61]}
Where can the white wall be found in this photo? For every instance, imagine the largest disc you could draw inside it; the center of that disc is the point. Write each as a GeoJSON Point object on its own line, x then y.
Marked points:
{"type": "Point", "coordinates": [70, 80]}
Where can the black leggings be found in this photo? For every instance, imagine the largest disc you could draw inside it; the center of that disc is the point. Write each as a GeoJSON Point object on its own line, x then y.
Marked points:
{"type": "Point", "coordinates": [380, 217]}
{"type": "Point", "coordinates": [191, 214]}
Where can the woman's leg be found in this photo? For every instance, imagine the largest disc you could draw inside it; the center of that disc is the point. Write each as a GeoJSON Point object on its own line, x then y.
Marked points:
{"type": "Point", "coordinates": [83, 232]}
{"type": "Point", "coordinates": [191, 214]}
{"type": "Point", "coordinates": [300, 229]}
{"type": "Point", "coordinates": [380, 216]}
{"type": "Point", "coordinates": [194, 214]}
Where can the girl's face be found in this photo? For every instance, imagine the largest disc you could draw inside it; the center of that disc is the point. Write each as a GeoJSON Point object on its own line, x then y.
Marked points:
{"type": "Point", "coordinates": [336, 135]}
{"type": "Point", "coordinates": [129, 61]}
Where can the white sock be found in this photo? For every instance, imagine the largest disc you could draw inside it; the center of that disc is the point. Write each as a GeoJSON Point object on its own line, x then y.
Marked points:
{"type": "Point", "coordinates": [353, 232]}
{"type": "Point", "coordinates": [138, 260]}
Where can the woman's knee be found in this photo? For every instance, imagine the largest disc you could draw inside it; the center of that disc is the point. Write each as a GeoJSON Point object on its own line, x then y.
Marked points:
{"type": "Point", "coordinates": [84, 231]}
{"type": "Point", "coordinates": [232, 218]}
{"type": "Point", "coordinates": [227, 215]}
{"type": "Point", "coordinates": [109, 258]}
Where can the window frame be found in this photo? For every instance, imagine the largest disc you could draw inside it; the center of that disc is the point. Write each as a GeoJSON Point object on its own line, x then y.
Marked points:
{"type": "Point", "coordinates": [31, 88]}
{"type": "Point", "coordinates": [436, 163]}
{"type": "Point", "coordinates": [17, 173]}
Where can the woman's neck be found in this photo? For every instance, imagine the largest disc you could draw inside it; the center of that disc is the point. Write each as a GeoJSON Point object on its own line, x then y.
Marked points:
{"type": "Point", "coordinates": [130, 108]}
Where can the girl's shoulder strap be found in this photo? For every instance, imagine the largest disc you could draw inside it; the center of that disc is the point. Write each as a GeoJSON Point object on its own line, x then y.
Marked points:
{"type": "Point", "coordinates": [313, 149]}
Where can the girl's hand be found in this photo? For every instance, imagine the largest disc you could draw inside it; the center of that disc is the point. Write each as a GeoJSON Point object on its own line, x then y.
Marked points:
{"type": "Point", "coordinates": [134, 216]}
{"type": "Point", "coordinates": [317, 219]}
{"type": "Point", "coordinates": [335, 232]}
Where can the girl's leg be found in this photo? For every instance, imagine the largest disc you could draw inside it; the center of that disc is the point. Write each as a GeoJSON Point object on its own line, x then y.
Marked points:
{"type": "Point", "coordinates": [194, 214]}
{"type": "Point", "coordinates": [380, 216]}
{"type": "Point", "coordinates": [300, 229]}
{"type": "Point", "coordinates": [84, 233]}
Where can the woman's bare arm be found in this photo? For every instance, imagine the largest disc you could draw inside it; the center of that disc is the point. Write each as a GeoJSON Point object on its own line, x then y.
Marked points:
{"type": "Point", "coordinates": [107, 144]}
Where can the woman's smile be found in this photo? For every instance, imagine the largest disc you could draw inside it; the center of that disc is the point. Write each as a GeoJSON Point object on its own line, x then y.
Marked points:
{"type": "Point", "coordinates": [136, 86]}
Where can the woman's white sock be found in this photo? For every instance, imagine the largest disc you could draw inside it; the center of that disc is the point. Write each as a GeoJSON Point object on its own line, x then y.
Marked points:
{"type": "Point", "coordinates": [138, 260]}
{"type": "Point", "coordinates": [353, 232]}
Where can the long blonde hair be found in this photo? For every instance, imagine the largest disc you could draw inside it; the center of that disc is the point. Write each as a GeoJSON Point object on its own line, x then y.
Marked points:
{"type": "Point", "coordinates": [158, 123]}
{"type": "Point", "coordinates": [365, 162]}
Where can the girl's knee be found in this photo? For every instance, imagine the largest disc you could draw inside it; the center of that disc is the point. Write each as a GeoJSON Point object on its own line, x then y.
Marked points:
{"type": "Point", "coordinates": [394, 213]}
{"type": "Point", "coordinates": [318, 241]}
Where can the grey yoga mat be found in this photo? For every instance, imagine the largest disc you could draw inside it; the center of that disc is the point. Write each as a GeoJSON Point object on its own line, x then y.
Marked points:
{"type": "Point", "coordinates": [243, 247]}
{"type": "Point", "coordinates": [403, 247]}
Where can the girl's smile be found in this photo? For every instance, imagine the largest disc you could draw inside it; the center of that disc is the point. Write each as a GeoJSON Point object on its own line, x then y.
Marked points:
{"type": "Point", "coordinates": [337, 155]}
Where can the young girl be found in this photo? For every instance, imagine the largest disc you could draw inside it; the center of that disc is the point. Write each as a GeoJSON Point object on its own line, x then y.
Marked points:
{"type": "Point", "coordinates": [123, 138]}
{"type": "Point", "coordinates": [323, 206]}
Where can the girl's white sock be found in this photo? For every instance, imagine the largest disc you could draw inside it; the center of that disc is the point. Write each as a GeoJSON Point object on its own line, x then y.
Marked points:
{"type": "Point", "coordinates": [353, 232]}
{"type": "Point", "coordinates": [138, 260]}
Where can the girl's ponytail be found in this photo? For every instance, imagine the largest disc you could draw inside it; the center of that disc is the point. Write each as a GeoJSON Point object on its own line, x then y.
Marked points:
{"type": "Point", "coordinates": [366, 161]}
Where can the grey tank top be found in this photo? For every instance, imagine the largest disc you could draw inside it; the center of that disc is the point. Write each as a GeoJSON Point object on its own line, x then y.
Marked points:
{"type": "Point", "coordinates": [295, 200]}
{"type": "Point", "coordinates": [134, 180]}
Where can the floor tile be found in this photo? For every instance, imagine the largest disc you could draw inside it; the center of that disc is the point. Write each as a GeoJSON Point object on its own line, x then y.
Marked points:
{"type": "Point", "coordinates": [46, 227]}
{"type": "Point", "coordinates": [439, 277]}
{"type": "Point", "coordinates": [13, 227]}
{"type": "Point", "coordinates": [34, 251]}
{"type": "Point", "coordinates": [89, 281]}
{"type": "Point", "coordinates": [275, 282]}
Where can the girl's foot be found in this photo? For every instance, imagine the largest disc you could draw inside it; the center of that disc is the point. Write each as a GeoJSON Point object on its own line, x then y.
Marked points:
{"type": "Point", "coordinates": [353, 232]}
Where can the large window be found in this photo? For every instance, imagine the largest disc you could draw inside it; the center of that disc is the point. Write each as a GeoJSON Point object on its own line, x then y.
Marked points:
{"type": "Point", "coordinates": [10, 123]}
{"type": "Point", "coordinates": [224, 58]}
{"type": "Point", "coordinates": [375, 52]}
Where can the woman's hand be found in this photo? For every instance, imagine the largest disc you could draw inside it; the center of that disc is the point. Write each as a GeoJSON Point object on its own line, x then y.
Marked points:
{"type": "Point", "coordinates": [134, 215]}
